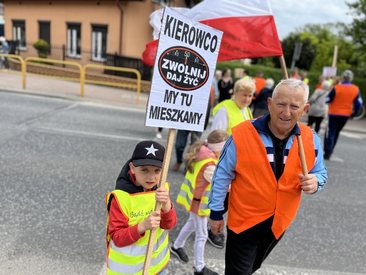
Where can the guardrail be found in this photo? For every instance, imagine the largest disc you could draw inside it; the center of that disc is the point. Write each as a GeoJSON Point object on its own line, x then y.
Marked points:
{"type": "Point", "coordinates": [55, 61]}
{"type": "Point", "coordinates": [22, 65]}
{"type": "Point", "coordinates": [81, 72]}
{"type": "Point", "coordinates": [119, 69]}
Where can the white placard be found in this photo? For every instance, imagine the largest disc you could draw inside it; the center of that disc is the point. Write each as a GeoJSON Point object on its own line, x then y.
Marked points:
{"type": "Point", "coordinates": [329, 71]}
{"type": "Point", "coordinates": [183, 72]}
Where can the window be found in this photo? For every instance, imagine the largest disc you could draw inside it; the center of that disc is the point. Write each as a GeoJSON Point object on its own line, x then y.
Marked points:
{"type": "Point", "coordinates": [19, 33]}
{"type": "Point", "coordinates": [45, 31]}
{"type": "Point", "coordinates": [73, 40]}
{"type": "Point", "coordinates": [99, 42]}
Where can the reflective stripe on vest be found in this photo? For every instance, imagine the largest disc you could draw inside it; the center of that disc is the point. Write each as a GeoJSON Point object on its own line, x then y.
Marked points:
{"type": "Point", "coordinates": [130, 259]}
{"type": "Point", "coordinates": [255, 193]}
{"type": "Point", "coordinates": [135, 264]}
{"type": "Point", "coordinates": [185, 195]}
{"type": "Point", "coordinates": [342, 103]}
{"type": "Point", "coordinates": [235, 115]}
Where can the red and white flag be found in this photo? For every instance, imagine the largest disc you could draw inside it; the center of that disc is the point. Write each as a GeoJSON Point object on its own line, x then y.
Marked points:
{"type": "Point", "coordinates": [249, 28]}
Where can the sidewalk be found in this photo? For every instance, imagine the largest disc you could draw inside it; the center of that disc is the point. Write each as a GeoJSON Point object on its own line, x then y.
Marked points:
{"type": "Point", "coordinates": [52, 87]}
{"type": "Point", "coordinates": [41, 85]}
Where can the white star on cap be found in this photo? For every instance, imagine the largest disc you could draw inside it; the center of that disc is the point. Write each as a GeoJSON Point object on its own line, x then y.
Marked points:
{"type": "Point", "coordinates": [151, 150]}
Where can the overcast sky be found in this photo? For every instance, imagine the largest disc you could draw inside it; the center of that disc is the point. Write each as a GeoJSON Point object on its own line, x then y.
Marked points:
{"type": "Point", "coordinates": [292, 14]}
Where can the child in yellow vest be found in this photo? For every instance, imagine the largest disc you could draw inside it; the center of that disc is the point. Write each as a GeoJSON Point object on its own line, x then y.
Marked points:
{"type": "Point", "coordinates": [131, 213]}
{"type": "Point", "coordinates": [200, 162]}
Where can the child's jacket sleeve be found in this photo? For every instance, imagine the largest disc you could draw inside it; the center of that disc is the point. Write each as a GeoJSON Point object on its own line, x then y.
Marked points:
{"type": "Point", "coordinates": [122, 234]}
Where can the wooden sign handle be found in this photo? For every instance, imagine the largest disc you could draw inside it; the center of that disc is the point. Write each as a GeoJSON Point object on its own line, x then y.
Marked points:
{"type": "Point", "coordinates": [164, 175]}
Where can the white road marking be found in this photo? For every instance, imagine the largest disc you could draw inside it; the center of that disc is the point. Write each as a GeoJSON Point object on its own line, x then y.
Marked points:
{"type": "Point", "coordinates": [108, 106]}
{"type": "Point", "coordinates": [353, 135]}
{"type": "Point", "coordinates": [86, 134]}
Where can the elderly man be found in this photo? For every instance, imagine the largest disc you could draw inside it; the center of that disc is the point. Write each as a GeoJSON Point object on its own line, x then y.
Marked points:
{"type": "Point", "coordinates": [261, 163]}
{"type": "Point", "coordinates": [344, 102]}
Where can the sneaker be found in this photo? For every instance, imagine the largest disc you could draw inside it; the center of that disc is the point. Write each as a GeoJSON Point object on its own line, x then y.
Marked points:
{"type": "Point", "coordinates": [205, 271]}
{"type": "Point", "coordinates": [217, 241]}
{"type": "Point", "coordinates": [179, 253]}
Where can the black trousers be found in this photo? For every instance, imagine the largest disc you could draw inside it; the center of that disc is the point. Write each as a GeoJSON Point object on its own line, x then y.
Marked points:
{"type": "Point", "coordinates": [246, 251]}
{"type": "Point", "coordinates": [317, 120]}
{"type": "Point", "coordinates": [335, 126]}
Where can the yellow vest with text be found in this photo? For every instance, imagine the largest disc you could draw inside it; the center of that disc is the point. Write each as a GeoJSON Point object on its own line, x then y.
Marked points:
{"type": "Point", "coordinates": [185, 196]}
{"type": "Point", "coordinates": [235, 115]}
{"type": "Point", "coordinates": [130, 259]}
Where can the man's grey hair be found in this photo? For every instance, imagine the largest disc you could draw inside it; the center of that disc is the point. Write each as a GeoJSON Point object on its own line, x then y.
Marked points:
{"type": "Point", "coordinates": [294, 84]}
{"type": "Point", "coordinates": [348, 75]}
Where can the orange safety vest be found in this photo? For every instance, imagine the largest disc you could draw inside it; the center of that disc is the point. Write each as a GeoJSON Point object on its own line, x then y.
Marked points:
{"type": "Point", "coordinates": [342, 103]}
{"type": "Point", "coordinates": [255, 193]}
{"type": "Point", "coordinates": [260, 83]}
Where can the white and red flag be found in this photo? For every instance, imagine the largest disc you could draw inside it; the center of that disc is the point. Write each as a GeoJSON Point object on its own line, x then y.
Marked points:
{"type": "Point", "coordinates": [249, 28]}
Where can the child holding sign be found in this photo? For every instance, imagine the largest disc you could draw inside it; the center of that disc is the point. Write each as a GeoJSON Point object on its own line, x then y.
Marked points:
{"type": "Point", "coordinates": [200, 161]}
{"type": "Point", "coordinates": [131, 213]}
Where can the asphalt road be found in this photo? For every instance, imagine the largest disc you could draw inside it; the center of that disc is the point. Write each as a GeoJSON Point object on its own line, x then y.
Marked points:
{"type": "Point", "coordinates": [58, 158]}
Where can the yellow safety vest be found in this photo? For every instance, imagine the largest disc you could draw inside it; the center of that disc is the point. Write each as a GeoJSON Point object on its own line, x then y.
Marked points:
{"type": "Point", "coordinates": [185, 195]}
{"type": "Point", "coordinates": [235, 115]}
{"type": "Point", "coordinates": [130, 259]}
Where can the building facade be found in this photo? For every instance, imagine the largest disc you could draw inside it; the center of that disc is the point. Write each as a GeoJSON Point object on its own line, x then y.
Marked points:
{"type": "Point", "coordinates": [82, 30]}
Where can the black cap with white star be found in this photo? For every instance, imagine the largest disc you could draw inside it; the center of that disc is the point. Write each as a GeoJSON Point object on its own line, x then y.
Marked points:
{"type": "Point", "coordinates": [148, 152]}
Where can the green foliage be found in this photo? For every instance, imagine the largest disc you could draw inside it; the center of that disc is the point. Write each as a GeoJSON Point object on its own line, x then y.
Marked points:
{"type": "Point", "coordinates": [361, 83]}
{"type": "Point", "coordinates": [318, 42]}
{"type": "Point", "coordinates": [357, 29]}
{"type": "Point", "coordinates": [308, 51]}
{"type": "Point", "coordinates": [276, 73]}
{"type": "Point", "coordinates": [268, 72]}
{"type": "Point", "coordinates": [42, 47]}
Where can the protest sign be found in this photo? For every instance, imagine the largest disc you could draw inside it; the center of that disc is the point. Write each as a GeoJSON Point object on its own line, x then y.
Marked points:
{"type": "Point", "coordinates": [329, 71]}
{"type": "Point", "coordinates": [183, 73]}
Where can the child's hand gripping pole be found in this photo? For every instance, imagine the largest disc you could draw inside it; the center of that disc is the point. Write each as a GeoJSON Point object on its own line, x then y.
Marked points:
{"type": "Point", "coordinates": [164, 175]}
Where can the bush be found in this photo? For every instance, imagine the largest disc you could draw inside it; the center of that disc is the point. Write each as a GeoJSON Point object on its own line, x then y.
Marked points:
{"type": "Point", "coordinates": [42, 47]}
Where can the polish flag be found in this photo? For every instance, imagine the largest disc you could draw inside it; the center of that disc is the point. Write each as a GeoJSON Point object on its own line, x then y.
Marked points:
{"type": "Point", "coordinates": [249, 28]}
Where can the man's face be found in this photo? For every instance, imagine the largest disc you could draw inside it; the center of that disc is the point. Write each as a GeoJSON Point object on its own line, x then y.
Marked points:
{"type": "Point", "coordinates": [243, 98]}
{"type": "Point", "coordinates": [286, 109]}
{"type": "Point", "coordinates": [147, 175]}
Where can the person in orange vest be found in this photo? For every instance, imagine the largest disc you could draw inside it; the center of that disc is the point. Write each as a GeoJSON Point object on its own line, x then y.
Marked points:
{"type": "Point", "coordinates": [130, 213]}
{"type": "Point", "coordinates": [261, 163]}
{"type": "Point", "coordinates": [344, 101]}
{"type": "Point", "coordinates": [260, 83]}
{"type": "Point", "coordinates": [260, 107]}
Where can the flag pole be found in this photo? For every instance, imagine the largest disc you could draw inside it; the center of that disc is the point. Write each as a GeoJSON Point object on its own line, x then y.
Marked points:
{"type": "Point", "coordinates": [335, 56]}
{"type": "Point", "coordinates": [164, 175]}
{"type": "Point", "coordinates": [299, 140]}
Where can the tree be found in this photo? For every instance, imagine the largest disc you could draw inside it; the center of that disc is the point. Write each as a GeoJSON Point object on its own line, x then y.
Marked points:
{"type": "Point", "coordinates": [357, 29]}
{"type": "Point", "coordinates": [307, 53]}
{"type": "Point", "coordinates": [318, 43]}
